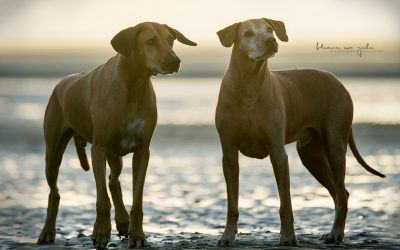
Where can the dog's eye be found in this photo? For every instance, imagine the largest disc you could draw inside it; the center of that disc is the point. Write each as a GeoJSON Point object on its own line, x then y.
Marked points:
{"type": "Point", "coordinates": [151, 42]}
{"type": "Point", "coordinates": [248, 33]}
{"type": "Point", "coordinates": [269, 29]}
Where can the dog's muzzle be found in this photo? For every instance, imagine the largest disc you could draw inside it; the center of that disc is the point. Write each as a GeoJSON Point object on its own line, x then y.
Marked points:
{"type": "Point", "coordinates": [271, 47]}
{"type": "Point", "coordinates": [271, 44]}
{"type": "Point", "coordinates": [172, 64]}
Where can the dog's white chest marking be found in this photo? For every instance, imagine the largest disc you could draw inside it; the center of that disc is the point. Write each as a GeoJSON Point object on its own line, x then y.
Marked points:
{"type": "Point", "coordinates": [130, 134]}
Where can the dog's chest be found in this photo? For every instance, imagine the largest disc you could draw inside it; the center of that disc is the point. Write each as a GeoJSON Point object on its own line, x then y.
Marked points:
{"type": "Point", "coordinates": [252, 141]}
{"type": "Point", "coordinates": [129, 137]}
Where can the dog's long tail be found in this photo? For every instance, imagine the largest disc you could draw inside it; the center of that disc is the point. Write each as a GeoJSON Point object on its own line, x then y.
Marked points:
{"type": "Point", "coordinates": [359, 158]}
{"type": "Point", "coordinates": [80, 149]}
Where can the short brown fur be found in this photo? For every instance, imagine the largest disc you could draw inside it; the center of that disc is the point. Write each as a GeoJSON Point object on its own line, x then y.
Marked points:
{"type": "Point", "coordinates": [114, 108]}
{"type": "Point", "coordinates": [259, 111]}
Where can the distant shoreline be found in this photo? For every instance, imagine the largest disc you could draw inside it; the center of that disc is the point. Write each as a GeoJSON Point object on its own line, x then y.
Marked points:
{"type": "Point", "coordinates": [209, 62]}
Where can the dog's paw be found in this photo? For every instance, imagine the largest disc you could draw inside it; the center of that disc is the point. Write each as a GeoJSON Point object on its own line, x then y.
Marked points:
{"type": "Point", "coordinates": [288, 240]}
{"type": "Point", "coordinates": [226, 240]}
{"type": "Point", "coordinates": [123, 229]}
{"type": "Point", "coordinates": [228, 237]}
{"type": "Point", "coordinates": [332, 237]}
{"type": "Point", "coordinates": [122, 221]}
{"type": "Point", "coordinates": [46, 237]}
{"type": "Point", "coordinates": [123, 233]}
{"type": "Point", "coordinates": [101, 233]}
{"type": "Point", "coordinates": [137, 242]}
{"type": "Point", "coordinates": [100, 241]}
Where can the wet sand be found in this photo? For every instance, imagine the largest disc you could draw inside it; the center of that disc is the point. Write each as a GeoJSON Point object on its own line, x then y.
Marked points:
{"type": "Point", "coordinates": [20, 226]}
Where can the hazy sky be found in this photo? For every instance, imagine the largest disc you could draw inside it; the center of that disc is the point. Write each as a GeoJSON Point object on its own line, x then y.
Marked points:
{"type": "Point", "coordinates": [74, 23]}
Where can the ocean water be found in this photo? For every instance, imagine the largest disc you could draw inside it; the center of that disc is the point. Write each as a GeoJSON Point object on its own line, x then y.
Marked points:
{"type": "Point", "coordinates": [185, 188]}
{"type": "Point", "coordinates": [192, 101]}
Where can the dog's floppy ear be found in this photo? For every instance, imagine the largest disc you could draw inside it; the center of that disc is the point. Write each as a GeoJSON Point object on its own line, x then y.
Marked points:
{"type": "Point", "coordinates": [179, 36]}
{"type": "Point", "coordinates": [227, 35]}
{"type": "Point", "coordinates": [124, 41]}
{"type": "Point", "coordinates": [279, 28]}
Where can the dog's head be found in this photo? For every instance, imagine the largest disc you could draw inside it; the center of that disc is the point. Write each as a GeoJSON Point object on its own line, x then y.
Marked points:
{"type": "Point", "coordinates": [151, 44]}
{"type": "Point", "coordinates": [255, 37]}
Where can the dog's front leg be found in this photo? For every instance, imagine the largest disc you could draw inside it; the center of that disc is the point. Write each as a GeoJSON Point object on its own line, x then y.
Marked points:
{"type": "Point", "coordinates": [280, 165]}
{"type": "Point", "coordinates": [230, 163]}
{"type": "Point", "coordinates": [139, 168]}
{"type": "Point", "coordinates": [102, 226]}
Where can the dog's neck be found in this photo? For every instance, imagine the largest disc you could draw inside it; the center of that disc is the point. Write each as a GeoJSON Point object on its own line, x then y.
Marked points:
{"type": "Point", "coordinates": [136, 75]}
{"type": "Point", "coordinates": [247, 71]}
{"type": "Point", "coordinates": [246, 76]}
{"type": "Point", "coordinates": [132, 69]}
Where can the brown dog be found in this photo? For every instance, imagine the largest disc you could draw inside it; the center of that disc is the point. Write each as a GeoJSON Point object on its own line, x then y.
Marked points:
{"type": "Point", "coordinates": [114, 108]}
{"type": "Point", "coordinates": [260, 111]}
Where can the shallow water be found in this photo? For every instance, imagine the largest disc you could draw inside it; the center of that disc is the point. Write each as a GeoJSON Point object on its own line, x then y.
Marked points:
{"type": "Point", "coordinates": [185, 199]}
{"type": "Point", "coordinates": [193, 100]}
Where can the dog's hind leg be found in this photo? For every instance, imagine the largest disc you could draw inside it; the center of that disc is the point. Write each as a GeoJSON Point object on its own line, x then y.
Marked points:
{"type": "Point", "coordinates": [336, 147]}
{"type": "Point", "coordinates": [121, 215]}
{"type": "Point", "coordinates": [313, 157]}
{"type": "Point", "coordinates": [57, 135]}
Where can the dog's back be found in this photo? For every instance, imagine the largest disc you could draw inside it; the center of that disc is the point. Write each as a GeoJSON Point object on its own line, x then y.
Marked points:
{"type": "Point", "coordinates": [312, 96]}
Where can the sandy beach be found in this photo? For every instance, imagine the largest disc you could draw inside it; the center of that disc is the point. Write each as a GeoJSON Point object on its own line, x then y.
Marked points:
{"type": "Point", "coordinates": [184, 196]}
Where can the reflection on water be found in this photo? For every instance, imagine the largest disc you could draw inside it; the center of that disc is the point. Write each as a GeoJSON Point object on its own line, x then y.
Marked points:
{"type": "Point", "coordinates": [194, 181]}
{"type": "Point", "coordinates": [185, 187]}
